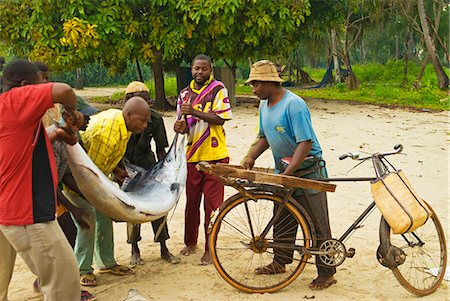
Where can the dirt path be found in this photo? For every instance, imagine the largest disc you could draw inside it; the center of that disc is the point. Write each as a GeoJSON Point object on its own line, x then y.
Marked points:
{"type": "Point", "coordinates": [340, 128]}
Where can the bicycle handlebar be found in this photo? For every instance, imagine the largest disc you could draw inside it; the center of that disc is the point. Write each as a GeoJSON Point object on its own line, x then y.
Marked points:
{"type": "Point", "coordinates": [355, 156]}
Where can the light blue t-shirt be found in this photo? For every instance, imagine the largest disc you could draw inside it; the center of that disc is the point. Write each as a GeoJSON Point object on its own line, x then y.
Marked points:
{"type": "Point", "coordinates": [285, 125]}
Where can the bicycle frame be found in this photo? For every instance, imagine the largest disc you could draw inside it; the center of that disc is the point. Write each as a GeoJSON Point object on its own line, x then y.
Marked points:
{"type": "Point", "coordinates": [380, 169]}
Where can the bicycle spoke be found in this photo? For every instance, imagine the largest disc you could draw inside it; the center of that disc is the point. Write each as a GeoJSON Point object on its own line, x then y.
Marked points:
{"type": "Point", "coordinates": [238, 254]}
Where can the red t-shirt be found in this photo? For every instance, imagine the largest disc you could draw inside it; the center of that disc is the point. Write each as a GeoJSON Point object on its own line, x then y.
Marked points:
{"type": "Point", "coordinates": [28, 176]}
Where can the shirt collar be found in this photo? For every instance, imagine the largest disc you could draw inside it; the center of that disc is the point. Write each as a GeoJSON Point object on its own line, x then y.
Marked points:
{"type": "Point", "coordinates": [192, 85]}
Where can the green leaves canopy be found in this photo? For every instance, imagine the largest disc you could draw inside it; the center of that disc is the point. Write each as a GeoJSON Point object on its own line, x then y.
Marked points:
{"type": "Point", "coordinates": [68, 34]}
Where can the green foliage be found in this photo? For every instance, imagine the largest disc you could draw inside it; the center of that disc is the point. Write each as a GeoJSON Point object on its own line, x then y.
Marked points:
{"type": "Point", "coordinates": [96, 75]}
{"type": "Point", "coordinates": [243, 89]}
{"type": "Point", "coordinates": [170, 87]}
{"type": "Point", "coordinates": [116, 97]}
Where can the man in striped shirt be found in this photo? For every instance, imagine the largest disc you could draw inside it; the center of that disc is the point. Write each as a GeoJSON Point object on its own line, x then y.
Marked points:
{"type": "Point", "coordinates": [205, 107]}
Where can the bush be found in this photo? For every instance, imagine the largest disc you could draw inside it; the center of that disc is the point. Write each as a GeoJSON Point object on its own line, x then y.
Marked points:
{"type": "Point", "coordinates": [95, 75]}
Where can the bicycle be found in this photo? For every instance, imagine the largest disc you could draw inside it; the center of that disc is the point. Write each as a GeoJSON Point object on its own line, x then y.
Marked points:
{"type": "Point", "coordinates": [242, 237]}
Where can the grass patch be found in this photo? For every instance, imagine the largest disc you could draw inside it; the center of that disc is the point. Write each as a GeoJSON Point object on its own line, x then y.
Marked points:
{"type": "Point", "coordinates": [380, 85]}
{"type": "Point", "coordinates": [383, 95]}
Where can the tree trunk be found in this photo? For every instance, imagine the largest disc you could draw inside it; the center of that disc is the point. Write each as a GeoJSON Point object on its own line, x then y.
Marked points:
{"type": "Point", "coordinates": [334, 53]}
{"type": "Point", "coordinates": [397, 48]}
{"type": "Point", "coordinates": [139, 71]}
{"type": "Point", "coordinates": [158, 75]}
{"type": "Point", "coordinates": [304, 77]}
{"type": "Point", "coordinates": [351, 80]}
{"type": "Point", "coordinates": [417, 82]}
{"type": "Point", "coordinates": [406, 58]}
{"type": "Point", "coordinates": [440, 73]}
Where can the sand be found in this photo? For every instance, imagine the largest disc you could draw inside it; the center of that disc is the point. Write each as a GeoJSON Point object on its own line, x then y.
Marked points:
{"type": "Point", "coordinates": [340, 127]}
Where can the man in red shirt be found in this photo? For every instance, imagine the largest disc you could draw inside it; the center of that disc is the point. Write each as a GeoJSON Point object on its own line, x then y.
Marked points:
{"type": "Point", "coordinates": [28, 182]}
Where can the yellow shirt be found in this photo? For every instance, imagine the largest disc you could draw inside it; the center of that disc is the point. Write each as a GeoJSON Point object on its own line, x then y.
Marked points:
{"type": "Point", "coordinates": [206, 142]}
{"type": "Point", "coordinates": [105, 139]}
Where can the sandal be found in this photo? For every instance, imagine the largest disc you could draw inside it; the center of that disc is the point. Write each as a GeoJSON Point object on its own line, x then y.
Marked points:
{"type": "Point", "coordinates": [87, 296]}
{"type": "Point", "coordinates": [88, 280]}
{"type": "Point", "coordinates": [321, 283]}
{"type": "Point", "coordinates": [270, 269]}
{"type": "Point", "coordinates": [119, 270]}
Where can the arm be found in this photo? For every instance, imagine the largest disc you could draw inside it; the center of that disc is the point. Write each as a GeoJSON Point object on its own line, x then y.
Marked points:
{"type": "Point", "coordinates": [63, 94]}
{"type": "Point", "coordinates": [68, 132]}
{"type": "Point", "coordinates": [69, 181]}
{"type": "Point", "coordinates": [161, 154]}
{"type": "Point", "coordinates": [79, 214]}
{"type": "Point", "coordinates": [302, 150]}
{"type": "Point", "coordinates": [211, 118]}
{"type": "Point", "coordinates": [160, 138]}
{"type": "Point", "coordinates": [255, 152]}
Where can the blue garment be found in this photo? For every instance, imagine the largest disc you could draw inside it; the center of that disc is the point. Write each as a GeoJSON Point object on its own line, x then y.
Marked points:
{"type": "Point", "coordinates": [284, 126]}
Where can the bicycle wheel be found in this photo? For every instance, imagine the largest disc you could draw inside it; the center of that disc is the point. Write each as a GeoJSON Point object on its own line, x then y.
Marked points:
{"type": "Point", "coordinates": [236, 253]}
{"type": "Point", "coordinates": [426, 251]}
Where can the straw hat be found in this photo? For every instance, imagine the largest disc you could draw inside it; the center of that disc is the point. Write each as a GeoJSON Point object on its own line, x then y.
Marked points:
{"type": "Point", "coordinates": [136, 86]}
{"type": "Point", "coordinates": [264, 71]}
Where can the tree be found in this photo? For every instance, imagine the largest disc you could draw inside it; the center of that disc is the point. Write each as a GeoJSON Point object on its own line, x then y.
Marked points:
{"type": "Point", "coordinates": [416, 9]}
{"type": "Point", "coordinates": [69, 34]}
{"type": "Point", "coordinates": [237, 29]}
{"type": "Point", "coordinates": [442, 77]}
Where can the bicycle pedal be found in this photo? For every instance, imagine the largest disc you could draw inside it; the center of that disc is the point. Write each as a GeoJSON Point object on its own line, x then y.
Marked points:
{"type": "Point", "coordinates": [350, 253]}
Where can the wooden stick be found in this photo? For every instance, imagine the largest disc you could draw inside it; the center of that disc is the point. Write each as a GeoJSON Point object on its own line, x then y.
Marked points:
{"type": "Point", "coordinates": [264, 177]}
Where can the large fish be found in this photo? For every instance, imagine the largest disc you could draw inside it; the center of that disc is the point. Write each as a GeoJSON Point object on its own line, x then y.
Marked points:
{"type": "Point", "coordinates": [151, 195]}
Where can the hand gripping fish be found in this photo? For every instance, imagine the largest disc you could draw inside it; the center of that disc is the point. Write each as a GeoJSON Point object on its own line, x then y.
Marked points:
{"type": "Point", "coordinates": [152, 194]}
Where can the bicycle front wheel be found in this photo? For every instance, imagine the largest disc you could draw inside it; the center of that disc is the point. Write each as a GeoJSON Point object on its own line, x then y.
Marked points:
{"type": "Point", "coordinates": [238, 248]}
{"type": "Point", "coordinates": [426, 256]}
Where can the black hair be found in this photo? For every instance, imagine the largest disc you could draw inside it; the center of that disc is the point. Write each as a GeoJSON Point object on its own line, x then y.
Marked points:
{"type": "Point", "coordinates": [202, 57]}
{"type": "Point", "coordinates": [18, 71]}
{"type": "Point", "coordinates": [41, 66]}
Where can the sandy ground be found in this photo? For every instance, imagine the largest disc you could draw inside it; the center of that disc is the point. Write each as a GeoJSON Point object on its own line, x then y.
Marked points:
{"type": "Point", "coordinates": [341, 128]}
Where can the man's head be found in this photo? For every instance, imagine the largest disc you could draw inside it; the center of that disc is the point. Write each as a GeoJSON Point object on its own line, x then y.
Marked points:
{"type": "Point", "coordinates": [201, 69]}
{"type": "Point", "coordinates": [20, 73]}
{"type": "Point", "coordinates": [43, 68]}
{"type": "Point", "coordinates": [264, 79]}
{"type": "Point", "coordinates": [136, 113]}
{"type": "Point", "coordinates": [86, 109]}
{"type": "Point", "coordinates": [137, 88]}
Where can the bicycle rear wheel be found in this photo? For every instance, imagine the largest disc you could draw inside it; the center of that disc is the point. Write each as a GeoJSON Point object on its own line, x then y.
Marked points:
{"type": "Point", "coordinates": [236, 253]}
{"type": "Point", "coordinates": [426, 254]}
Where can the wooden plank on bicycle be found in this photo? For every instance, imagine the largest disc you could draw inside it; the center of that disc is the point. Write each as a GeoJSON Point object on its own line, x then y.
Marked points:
{"type": "Point", "coordinates": [257, 175]}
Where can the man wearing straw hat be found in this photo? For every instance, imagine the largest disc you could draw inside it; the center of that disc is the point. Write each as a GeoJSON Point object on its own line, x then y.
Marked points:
{"type": "Point", "coordinates": [286, 127]}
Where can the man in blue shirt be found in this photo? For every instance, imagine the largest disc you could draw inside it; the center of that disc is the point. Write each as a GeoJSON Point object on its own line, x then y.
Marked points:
{"type": "Point", "coordinates": [285, 126]}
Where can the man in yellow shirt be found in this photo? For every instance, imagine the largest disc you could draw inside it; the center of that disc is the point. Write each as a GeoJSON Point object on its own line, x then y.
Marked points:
{"type": "Point", "coordinates": [205, 106]}
{"type": "Point", "coordinates": [105, 141]}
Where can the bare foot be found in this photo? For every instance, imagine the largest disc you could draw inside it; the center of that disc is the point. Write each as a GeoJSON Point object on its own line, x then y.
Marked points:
{"type": "Point", "coordinates": [188, 250]}
{"type": "Point", "coordinates": [135, 255]}
{"type": "Point", "coordinates": [206, 258]}
{"type": "Point", "coordinates": [169, 257]}
{"type": "Point", "coordinates": [135, 259]}
{"type": "Point", "coordinates": [322, 282]}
